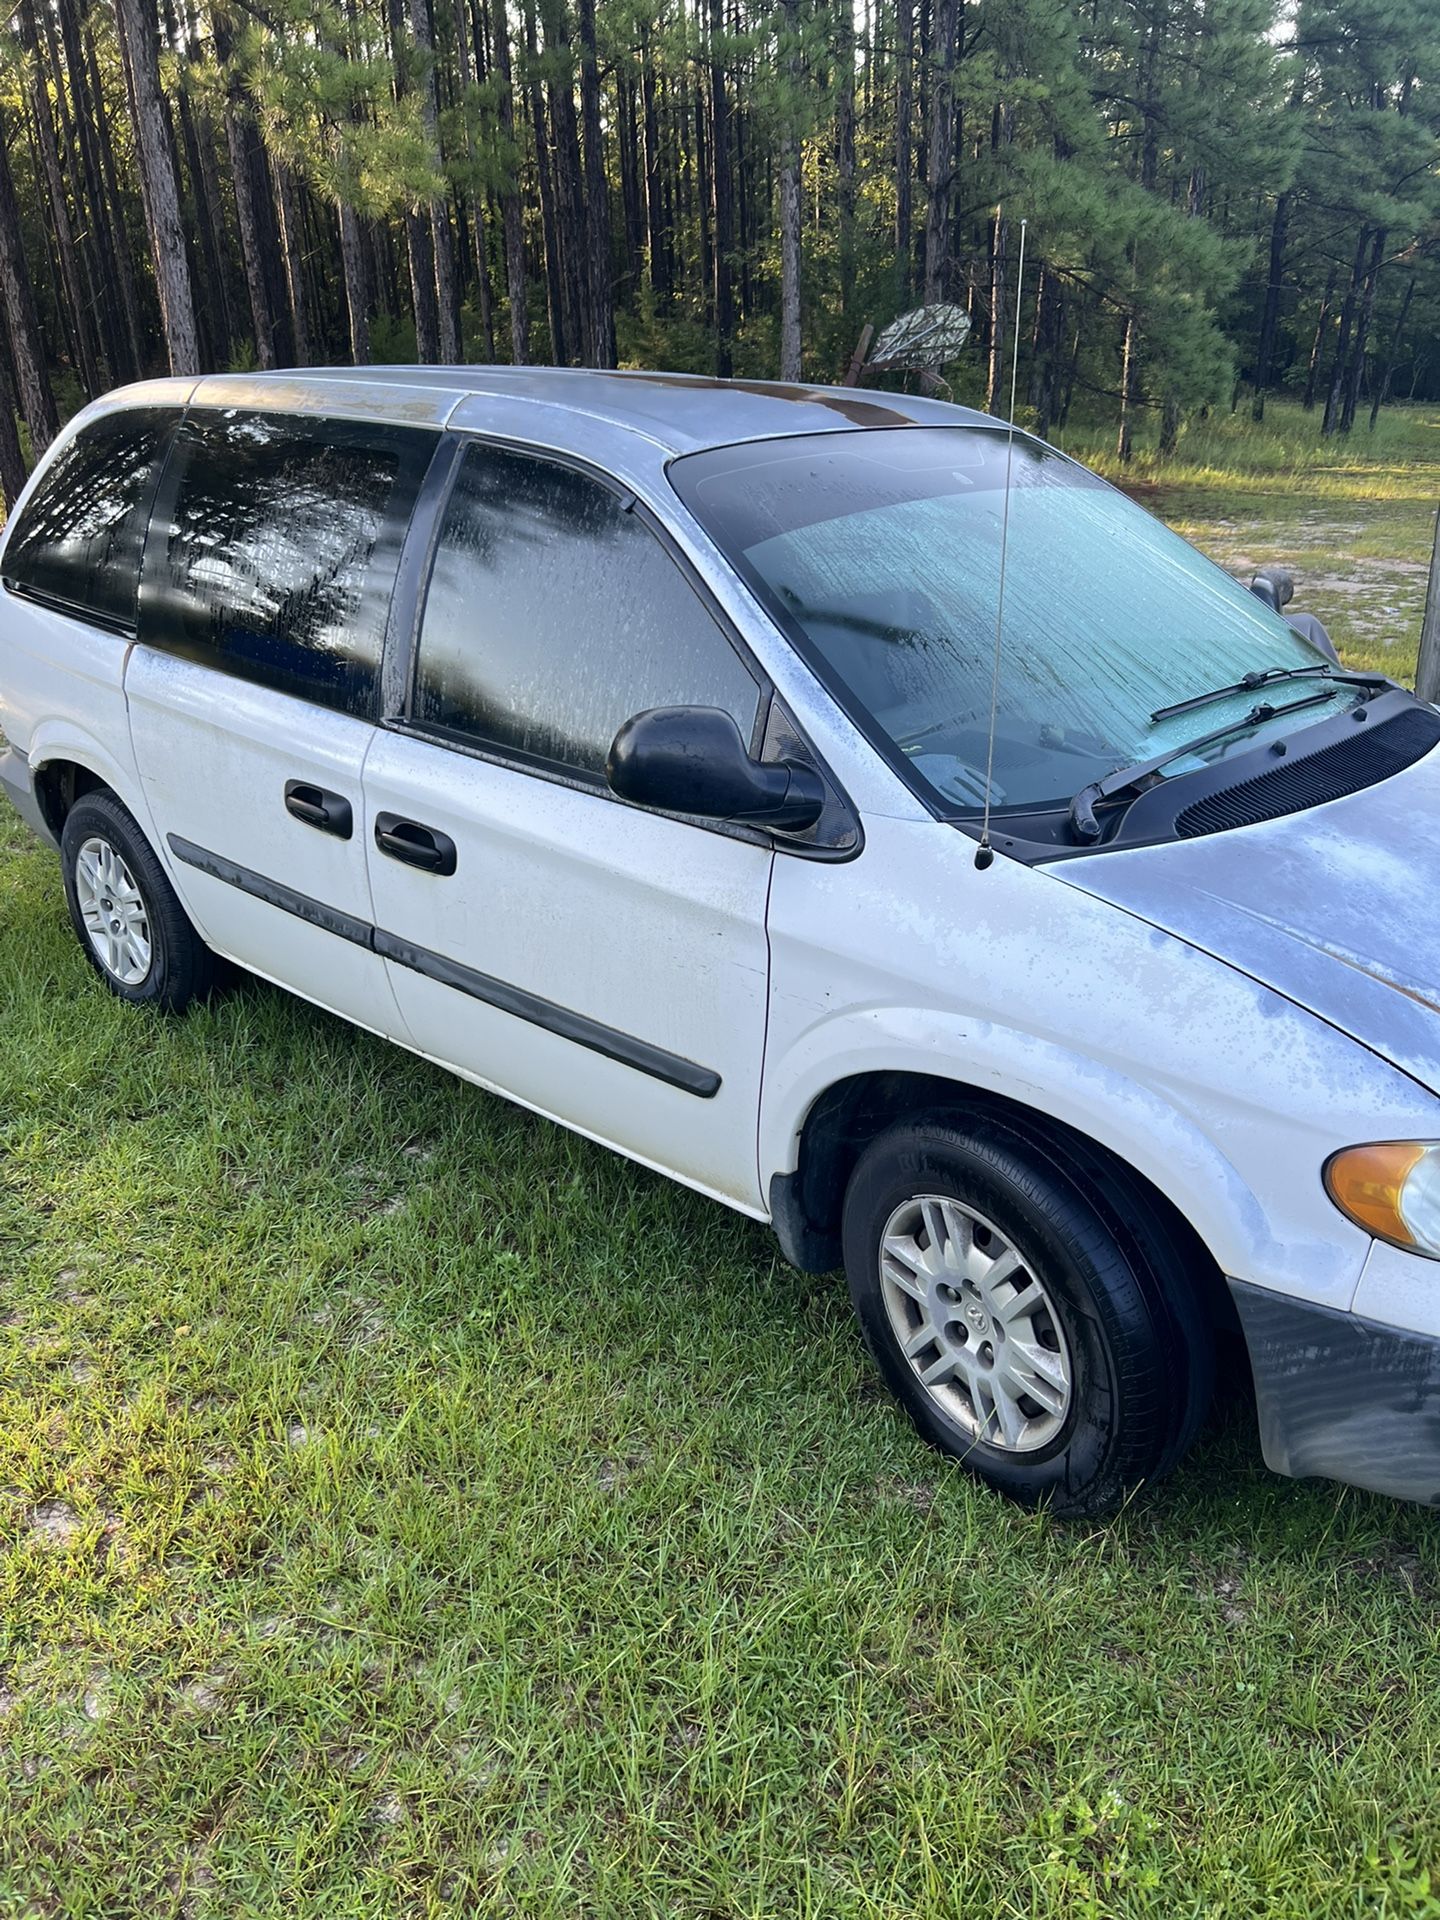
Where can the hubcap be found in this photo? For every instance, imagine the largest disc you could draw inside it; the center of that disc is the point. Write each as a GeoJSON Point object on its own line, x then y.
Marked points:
{"type": "Point", "coordinates": [975, 1324]}
{"type": "Point", "coordinates": [114, 912]}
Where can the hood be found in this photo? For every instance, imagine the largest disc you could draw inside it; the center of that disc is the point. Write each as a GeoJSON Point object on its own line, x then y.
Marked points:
{"type": "Point", "coordinates": [1337, 908]}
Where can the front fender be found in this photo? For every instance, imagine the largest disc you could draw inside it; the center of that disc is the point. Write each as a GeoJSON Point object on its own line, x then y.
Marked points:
{"type": "Point", "coordinates": [1279, 1231]}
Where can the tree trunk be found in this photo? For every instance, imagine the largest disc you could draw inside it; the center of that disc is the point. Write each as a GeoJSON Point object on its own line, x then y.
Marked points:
{"type": "Point", "coordinates": [478, 210]}
{"type": "Point", "coordinates": [1045, 376]}
{"type": "Point", "coordinates": [1128, 372]}
{"type": "Point", "coordinates": [104, 246]}
{"type": "Point", "coordinates": [87, 349]}
{"type": "Point", "coordinates": [138, 31]}
{"type": "Point", "coordinates": [723, 204]}
{"type": "Point", "coordinates": [844, 152]}
{"type": "Point", "coordinates": [600, 313]}
{"type": "Point", "coordinates": [242, 178]}
{"type": "Point", "coordinates": [940, 146]}
{"type": "Point", "coordinates": [1342, 339]}
{"type": "Point", "coordinates": [352, 263]}
{"type": "Point", "coordinates": [1317, 345]}
{"type": "Point", "coordinates": [790, 203]}
{"type": "Point", "coordinates": [631, 192]}
{"type": "Point", "coordinates": [1382, 385]}
{"type": "Point", "coordinates": [287, 218]}
{"type": "Point", "coordinates": [569, 191]}
{"type": "Point", "coordinates": [120, 258]}
{"type": "Point", "coordinates": [995, 370]}
{"type": "Point", "coordinates": [1270, 319]}
{"type": "Point", "coordinates": [442, 241]}
{"type": "Point", "coordinates": [1362, 331]}
{"type": "Point", "coordinates": [12, 458]}
{"type": "Point", "coordinates": [510, 212]}
{"type": "Point", "coordinates": [28, 353]}
{"type": "Point", "coordinates": [549, 213]}
{"type": "Point", "coordinates": [655, 225]}
{"type": "Point", "coordinates": [1427, 665]}
{"type": "Point", "coordinates": [904, 145]}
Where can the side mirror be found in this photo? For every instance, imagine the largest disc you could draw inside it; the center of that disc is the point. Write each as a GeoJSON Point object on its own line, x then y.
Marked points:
{"type": "Point", "coordinates": [693, 760]}
{"type": "Point", "coordinates": [1275, 586]}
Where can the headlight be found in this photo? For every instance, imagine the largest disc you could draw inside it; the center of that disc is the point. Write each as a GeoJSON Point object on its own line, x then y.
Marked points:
{"type": "Point", "coordinates": [1391, 1190]}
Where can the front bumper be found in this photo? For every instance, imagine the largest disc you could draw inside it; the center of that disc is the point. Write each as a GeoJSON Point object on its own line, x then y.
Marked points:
{"type": "Point", "coordinates": [19, 789]}
{"type": "Point", "coordinates": [1342, 1397]}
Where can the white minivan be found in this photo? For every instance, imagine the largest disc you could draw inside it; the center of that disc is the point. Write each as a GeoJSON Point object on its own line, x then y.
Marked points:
{"type": "Point", "coordinates": [640, 748]}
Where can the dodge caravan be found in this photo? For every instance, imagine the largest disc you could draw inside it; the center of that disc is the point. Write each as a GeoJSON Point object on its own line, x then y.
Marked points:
{"type": "Point", "coordinates": [647, 750]}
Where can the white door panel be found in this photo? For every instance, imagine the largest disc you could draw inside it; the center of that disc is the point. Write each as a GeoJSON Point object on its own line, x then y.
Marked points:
{"type": "Point", "coordinates": [604, 965]}
{"type": "Point", "coordinates": [214, 754]}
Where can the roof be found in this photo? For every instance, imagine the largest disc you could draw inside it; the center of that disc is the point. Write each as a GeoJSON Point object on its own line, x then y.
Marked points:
{"type": "Point", "coordinates": [676, 412]}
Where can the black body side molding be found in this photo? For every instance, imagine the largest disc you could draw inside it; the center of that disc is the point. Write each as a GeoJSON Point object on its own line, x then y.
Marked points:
{"type": "Point", "coordinates": [672, 1068]}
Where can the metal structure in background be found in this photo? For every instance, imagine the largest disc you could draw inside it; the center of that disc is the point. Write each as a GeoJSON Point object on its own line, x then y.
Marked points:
{"type": "Point", "coordinates": [1427, 667]}
{"type": "Point", "coordinates": [919, 342]}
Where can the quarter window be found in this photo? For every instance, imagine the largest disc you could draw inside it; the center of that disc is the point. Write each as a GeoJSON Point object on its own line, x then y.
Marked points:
{"type": "Point", "coordinates": [79, 537]}
{"type": "Point", "coordinates": [554, 614]}
{"type": "Point", "coordinates": [275, 548]}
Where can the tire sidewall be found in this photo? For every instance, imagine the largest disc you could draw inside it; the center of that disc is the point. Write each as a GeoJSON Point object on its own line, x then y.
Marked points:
{"type": "Point", "coordinates": [1092, 1458]}
{"type": "Point", "coordinates": [97, 817]}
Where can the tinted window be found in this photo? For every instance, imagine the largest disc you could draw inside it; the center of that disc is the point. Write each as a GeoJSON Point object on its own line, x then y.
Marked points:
{"type": "Point", "coordinates": [80, 536]}
{"type": "Point", "coordinates": [554, 614]}
{"type": "Point", "coordinates": [275, 546]}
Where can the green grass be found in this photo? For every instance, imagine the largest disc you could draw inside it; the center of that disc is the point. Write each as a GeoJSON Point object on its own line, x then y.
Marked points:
{"type": "Point", "coordinates": [407, 1508]}
{"type": "Point", "coordinates": [1353, 518]}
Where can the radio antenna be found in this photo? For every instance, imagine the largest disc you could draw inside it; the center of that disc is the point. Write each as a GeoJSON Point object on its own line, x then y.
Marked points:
{"type": "Point", "coordinates": [985, 853]}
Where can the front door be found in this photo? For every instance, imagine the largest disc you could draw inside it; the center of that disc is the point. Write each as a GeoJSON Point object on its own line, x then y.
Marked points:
{"type": "Point", "coordinates": [605, 965]}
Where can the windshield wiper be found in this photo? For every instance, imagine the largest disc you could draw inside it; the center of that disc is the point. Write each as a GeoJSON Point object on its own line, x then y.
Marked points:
{"type": "Point", "coordinates": [1083, 823]}
{"type": "Point", "coordinates": [1268, 678]}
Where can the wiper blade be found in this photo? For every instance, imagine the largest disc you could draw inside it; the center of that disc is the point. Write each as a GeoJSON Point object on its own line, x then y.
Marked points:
{"type": "Point", "coordinates": [1268, 678]}
{"type": "Point", "coordinates": [1083, 823]}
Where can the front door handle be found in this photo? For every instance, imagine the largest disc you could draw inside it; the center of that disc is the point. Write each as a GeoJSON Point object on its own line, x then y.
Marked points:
{"type": "Point", "coordinates": [325, 811]}
{"type": "Point", "coordinates": [417, 845]}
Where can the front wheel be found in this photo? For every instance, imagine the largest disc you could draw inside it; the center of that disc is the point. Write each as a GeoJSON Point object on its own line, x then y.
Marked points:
{"type": "Point", "coordinates": [1026, 1326]}
{"type": "Point", "coordinates": [126, 915]}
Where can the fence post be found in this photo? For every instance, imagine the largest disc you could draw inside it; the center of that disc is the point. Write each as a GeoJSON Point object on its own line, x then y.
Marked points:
{"type": "Point", "coordinates": [1427, 667]}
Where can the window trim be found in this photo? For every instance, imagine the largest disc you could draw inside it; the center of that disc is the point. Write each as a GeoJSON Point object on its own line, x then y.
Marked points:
{"type": "Point", "coordinates": [59, 603]}
{"type": "Point", "coordinates": [408, 610]}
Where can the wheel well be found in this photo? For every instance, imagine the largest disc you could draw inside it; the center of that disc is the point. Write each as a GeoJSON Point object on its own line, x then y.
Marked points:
{"type": "Point", "coordinates": [806, 1205]}
{"type": "Point", "coordinates": [58, 785]}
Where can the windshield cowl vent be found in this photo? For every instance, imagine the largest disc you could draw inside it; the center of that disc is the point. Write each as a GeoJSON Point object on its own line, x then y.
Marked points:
{"type": "Point", "coordinates": [1292, 785]}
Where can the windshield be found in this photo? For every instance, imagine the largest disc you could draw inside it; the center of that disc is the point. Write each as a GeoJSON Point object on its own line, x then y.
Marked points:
{"type": "Point", "coordinates": [879, 552]}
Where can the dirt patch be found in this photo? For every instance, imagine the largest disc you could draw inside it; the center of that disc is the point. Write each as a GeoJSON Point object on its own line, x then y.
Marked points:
{"type": "Point", "coordinates": [53, 1524]}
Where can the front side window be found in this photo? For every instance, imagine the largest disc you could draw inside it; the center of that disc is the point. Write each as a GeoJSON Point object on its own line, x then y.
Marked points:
{"type": "Point", "coordinates": [879, 552]}
{"type": "Point", "coordinates": [554, 614]}
{"type": "Point", "coordinates": [79, 538]}
{"type": "Point", "coordinates": [275, 549]}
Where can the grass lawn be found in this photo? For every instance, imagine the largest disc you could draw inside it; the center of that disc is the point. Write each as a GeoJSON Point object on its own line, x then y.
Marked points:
{"type": "Point", "coordinates": [407, 1508]}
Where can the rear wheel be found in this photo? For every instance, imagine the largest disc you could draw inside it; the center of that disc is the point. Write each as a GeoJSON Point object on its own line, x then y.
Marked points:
{"type": "Point", "coordinates": [126, 915]}
{"type": "Point", "coordinates": [1033, 1330]}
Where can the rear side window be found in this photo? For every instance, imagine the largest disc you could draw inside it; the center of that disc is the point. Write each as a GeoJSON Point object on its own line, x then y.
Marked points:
{"type": "Point", "coordinates": [80, 536]}
{"type": "Point", "coordinates": [553, 614]}
{"type": "Point", "coordinates": [274, 549]}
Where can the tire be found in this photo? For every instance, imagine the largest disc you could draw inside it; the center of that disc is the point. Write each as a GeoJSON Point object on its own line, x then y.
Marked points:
{"type": "Point", "coordinates": [145, 950]}
{"type": "Point", "coordinates": [1067, 1356]}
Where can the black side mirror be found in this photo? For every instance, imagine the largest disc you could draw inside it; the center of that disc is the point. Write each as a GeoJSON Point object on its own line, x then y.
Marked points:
{"type": "Point", "coordinates": [1275, 586]}
{"type": "Point", "coordinates": [693, 760]}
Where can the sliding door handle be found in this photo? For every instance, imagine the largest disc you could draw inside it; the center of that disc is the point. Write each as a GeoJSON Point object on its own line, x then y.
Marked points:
{"type": "Point", "coordinates": [317, 807]}
{"type": "Point", "coordinates": [414, 844]}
